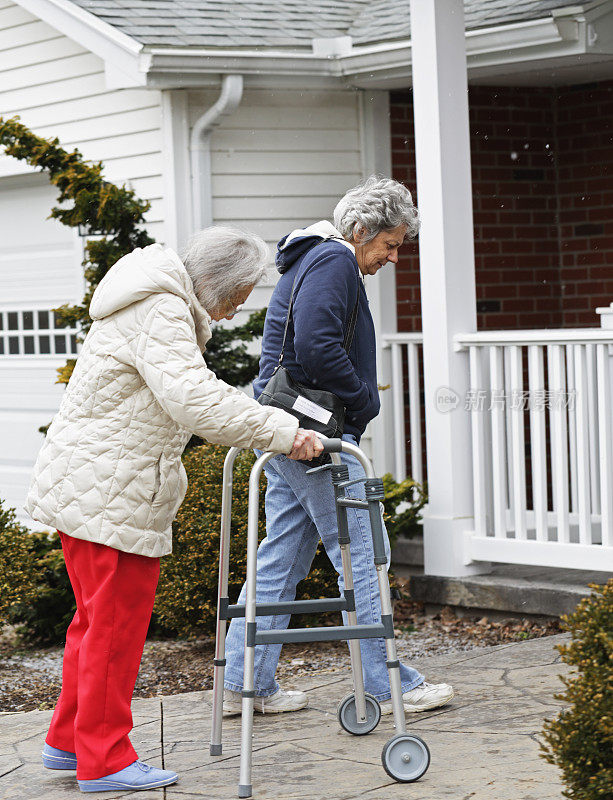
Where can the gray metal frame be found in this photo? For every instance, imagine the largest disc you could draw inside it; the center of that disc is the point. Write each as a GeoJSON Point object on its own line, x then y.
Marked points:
{"type": "Point", "coordinates": [351, 631]}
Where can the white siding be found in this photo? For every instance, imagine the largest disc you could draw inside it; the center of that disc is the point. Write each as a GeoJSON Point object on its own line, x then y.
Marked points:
{"type": "Point", "coordinates": [39, 269]}
{"type": "Point", "coordinates": [58, 89]}
{"type": "Point", "coordinates": [282, 161]}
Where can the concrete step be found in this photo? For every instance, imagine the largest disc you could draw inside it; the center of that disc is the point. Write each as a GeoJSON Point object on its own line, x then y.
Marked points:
{"type": "Point", "coordinates": [507, 587]}
{"type": "Point", "coordinates": [408, 552]}
{"type": "Point", "coordinates": [511, 588]}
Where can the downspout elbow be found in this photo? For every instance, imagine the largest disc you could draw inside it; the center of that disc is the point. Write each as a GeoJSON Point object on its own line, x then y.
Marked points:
{"type": "Point", "coordinates": [200, 148]}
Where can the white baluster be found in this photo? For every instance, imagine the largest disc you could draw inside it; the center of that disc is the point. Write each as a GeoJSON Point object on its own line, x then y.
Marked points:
{"type": "Point", "coordinates": [509, 436]}
{"type": "Point", "coordinates": [583, 445]}
{"type": "Point", "coordinates": [499, 461]}
{"type": "Point", "coordinates": [478, 442]}
{"type": "Point", "coordinates": [518, 447]}
{"type": "Point", "coordinates": [399, 429]}
{"type": "Point", "coordinates": [605, 431]}
{"type": "Point", "coordinates": [538, 443]}
{"type": "Point", "coordinates": [415, 412]}
{"type": "Point", "coordinates": [559, 438]}
{"type": "Point", "coordinates": [592, 415]}
{"type": "Point", "coordinates": [572, 427]}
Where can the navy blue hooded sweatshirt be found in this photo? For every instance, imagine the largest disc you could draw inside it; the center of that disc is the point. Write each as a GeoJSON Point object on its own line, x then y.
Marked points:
{"type": "Point", "coordinates": [328, 282]}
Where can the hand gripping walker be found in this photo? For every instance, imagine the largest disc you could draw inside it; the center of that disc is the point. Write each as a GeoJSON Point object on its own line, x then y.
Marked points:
{"type": "Point", "coordinates": [405, 757]}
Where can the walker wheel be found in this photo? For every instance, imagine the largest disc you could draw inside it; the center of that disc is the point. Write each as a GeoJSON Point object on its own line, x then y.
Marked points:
{"type": "Point", "coordinates": [348, 718]}
{"type": "Point", "coordinates": [405, 758]}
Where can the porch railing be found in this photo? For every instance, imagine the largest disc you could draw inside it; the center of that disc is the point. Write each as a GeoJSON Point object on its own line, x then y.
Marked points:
{"type": "Point", "coordinates": [542, 421]}
{"type": "Point", "coordinates": [405, 370]}
{"type": "Point", "coordinates": [542, 439]}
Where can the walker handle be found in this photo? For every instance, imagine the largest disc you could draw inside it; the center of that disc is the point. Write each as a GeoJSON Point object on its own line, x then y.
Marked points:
{"type": "Point", "coordinates": [332, 445]}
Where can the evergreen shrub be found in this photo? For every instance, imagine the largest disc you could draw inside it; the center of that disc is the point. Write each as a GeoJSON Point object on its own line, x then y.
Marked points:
{"type": "Point", "coordinates": [17, 570]}
{"type": "Point", "coordinates": [43, 620]}
{"type": "Point", "coordinates": [403, 505]}
{"type": "Point", "coordinates": [580, 739]}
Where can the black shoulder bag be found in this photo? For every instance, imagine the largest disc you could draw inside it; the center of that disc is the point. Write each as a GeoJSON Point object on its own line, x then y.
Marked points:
{"type": "Point", "coordinates": [315, 409]}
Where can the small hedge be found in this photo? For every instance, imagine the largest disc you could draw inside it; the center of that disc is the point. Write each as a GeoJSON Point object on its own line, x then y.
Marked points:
{"type": "Point", "coordinates": [580, 739]}
{"type": "Point", "coordinates": [403, 505]}
{"type": "Point", "coordinates": [35, 592]}
{"type": "Point", "coordinates": [17, 570]}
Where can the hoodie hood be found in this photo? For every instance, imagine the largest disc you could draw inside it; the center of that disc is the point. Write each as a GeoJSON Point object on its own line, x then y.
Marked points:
{"type": "Point", "coordinates": [298, 242]}
{"type": "Point", "coordinates": [145, 271]}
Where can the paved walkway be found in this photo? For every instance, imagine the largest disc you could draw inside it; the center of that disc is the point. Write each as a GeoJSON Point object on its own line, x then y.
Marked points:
{"type": "Point", "coordinates": [483, 743]}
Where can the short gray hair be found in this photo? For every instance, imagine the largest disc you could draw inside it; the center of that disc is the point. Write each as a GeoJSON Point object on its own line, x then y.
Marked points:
{"type": "Point", "coordinates": [222, 260]}
{"type": "Point", "coordinates": [377, 204]}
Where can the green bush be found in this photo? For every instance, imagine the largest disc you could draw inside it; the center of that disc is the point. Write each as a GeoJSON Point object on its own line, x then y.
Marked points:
{"type": "Point", "coordinates": [45, 616]}
{"type": "Point", "coordinates": [403, 505]}
{"type": "Point", "coordinates": [580, 739]}
{"type": "Point", "coordinates": [186, 601]}
{"type": "Point", "coordinates": [17, 570]}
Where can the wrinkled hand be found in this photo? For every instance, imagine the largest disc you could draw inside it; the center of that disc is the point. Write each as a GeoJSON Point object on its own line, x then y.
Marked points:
{"type": "Point", "coordinates": [307, 445]}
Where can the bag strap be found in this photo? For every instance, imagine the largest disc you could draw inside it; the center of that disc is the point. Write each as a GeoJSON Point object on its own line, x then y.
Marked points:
{"type": "Point", "coordinates": [347, 341]}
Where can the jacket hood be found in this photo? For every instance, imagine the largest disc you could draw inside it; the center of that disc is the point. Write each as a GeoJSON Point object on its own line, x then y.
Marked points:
{"type": "Point", "coordinates": [145, 271]}
{"type": "Point", "coordinates": [298, 242]}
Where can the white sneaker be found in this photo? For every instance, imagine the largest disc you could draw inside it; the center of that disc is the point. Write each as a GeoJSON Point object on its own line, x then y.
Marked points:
{"type": "Point", "coordinates": [423, 697]}
{"type": "Point", "coordinates": [275, 703]}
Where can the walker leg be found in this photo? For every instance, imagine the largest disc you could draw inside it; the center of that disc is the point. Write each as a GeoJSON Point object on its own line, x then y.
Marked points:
{"type": "Point", "coordinates": [374, 494]}
{"type": "Point", "coordinates": [340, 472]}
{"type": "Point", "coordinates": [393, 665]}
{"type": "Point", "coordinates": [219, 661]}
{"type": "Point", "coordinates": [244, 783]}
{"type": "Point", "coordinates": [355, 653]}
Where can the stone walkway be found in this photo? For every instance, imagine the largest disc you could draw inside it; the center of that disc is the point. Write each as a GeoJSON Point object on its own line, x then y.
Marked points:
{"type": "Point", "coordinates": [483, 744]}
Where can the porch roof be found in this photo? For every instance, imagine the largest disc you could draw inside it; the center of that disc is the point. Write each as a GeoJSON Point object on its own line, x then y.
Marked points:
{"type": "Point", "coordinates": [287, 23]}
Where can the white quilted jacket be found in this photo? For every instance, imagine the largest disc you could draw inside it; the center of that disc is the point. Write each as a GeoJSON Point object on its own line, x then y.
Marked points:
{"type": "Point", "coordinates": [110, 469]}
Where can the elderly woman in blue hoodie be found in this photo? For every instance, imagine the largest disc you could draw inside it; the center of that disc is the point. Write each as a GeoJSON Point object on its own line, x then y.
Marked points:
{"type": "Point", "coordinates": [327, 266]}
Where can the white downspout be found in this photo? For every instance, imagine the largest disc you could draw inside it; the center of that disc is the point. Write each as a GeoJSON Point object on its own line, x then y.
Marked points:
{"type": "Point", "coordinates": [200, 149]}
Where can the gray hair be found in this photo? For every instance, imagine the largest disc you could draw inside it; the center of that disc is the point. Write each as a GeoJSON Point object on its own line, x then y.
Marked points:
{"type": "Point", "coordinates": [377, 204]}
{"type": "Point", "coordinates": [222, 260]}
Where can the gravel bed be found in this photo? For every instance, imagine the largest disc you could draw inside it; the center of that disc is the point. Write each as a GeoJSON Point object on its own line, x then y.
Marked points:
{"type": "Point", "coordinates": [31, 678]}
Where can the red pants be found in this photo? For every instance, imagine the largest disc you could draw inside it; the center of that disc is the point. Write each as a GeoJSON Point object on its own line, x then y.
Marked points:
{"type": "Point", "coordinates": [104, 646]}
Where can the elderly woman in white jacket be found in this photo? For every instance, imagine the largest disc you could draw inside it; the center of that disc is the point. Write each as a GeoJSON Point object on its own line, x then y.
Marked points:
{"type": "Point", "coordinates": [109, 476]}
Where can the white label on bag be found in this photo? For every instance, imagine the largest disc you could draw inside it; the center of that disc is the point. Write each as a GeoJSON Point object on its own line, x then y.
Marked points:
{"type": "Point", "coordinates": [312, 410]}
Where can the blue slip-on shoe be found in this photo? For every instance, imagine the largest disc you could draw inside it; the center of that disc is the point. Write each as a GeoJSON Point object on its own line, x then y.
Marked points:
{"type": "Point", "coordinates": [53, 758]}
{"type": "Point", "coordinates": [136, 776]}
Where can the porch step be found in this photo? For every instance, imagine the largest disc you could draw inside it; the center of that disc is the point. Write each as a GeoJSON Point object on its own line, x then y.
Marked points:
{"type": "Point", "coordinates": [508, 587]}
{"type": "Point", "coordinates": [408, 552]}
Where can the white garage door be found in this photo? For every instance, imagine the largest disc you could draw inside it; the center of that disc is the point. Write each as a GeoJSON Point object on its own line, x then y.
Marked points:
{"type": "Point", "coordinates": [39, 270]}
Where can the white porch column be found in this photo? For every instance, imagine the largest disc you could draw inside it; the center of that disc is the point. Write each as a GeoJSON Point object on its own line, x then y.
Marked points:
{"type": "Point", "coordinates": [446, 252]}
{"type": "Point", "coordinates": [176, 168]}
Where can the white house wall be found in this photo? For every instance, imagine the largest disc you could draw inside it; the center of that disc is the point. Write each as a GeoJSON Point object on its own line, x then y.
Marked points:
{"type": "Point", "coordinates": [58, 89]}
{"type": "Point", "coordinates": [281, 161]}
{"type": "Point", "coordinates": [39, 269]}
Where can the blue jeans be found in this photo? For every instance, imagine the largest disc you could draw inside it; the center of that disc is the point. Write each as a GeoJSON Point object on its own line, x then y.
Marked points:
{"type": "Point", "coordinates": [300, 509]}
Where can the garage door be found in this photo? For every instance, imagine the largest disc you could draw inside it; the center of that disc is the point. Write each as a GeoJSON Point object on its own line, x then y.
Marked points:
{"type": "Point", "coordinates": [39, 270]}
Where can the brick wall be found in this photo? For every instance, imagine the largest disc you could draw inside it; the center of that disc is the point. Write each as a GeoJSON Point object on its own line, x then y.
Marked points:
{"type": "Point", "coordinates": [584, 127]}
{"type": "Point", "coordinates": [542, 169]}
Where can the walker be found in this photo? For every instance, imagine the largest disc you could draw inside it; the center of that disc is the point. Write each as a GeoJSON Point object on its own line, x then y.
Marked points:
{"type": "Point", "coordinates": [405, 757]}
